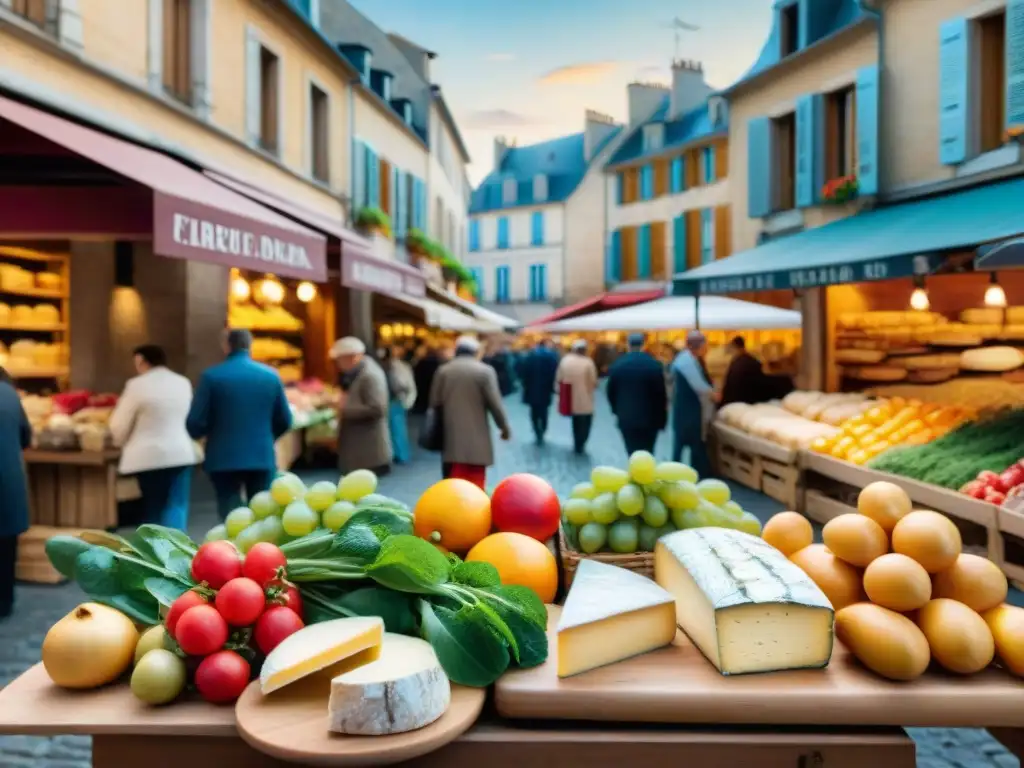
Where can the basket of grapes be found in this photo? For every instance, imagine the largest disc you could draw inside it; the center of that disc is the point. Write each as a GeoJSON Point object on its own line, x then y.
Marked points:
{"type": "Point", "coordinates": [618, 517]}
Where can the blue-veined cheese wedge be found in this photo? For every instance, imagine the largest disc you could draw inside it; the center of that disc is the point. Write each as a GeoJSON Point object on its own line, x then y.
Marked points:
{"type": "Point", "coordinates": [742, 603]}
{"type": "Point", "coordinates": [609, 615]}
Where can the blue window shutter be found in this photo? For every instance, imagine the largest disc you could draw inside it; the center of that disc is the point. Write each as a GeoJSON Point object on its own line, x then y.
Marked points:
{"type": "Point", "coordinates": [612, 269]}
{"type": "Point", "coordinates": [644, 256]}
{"type": "Point", "coordinates": [867, 96]}
{"type": "Point", "coordinates": [474, 235]}
{"type": "Point", "coordinates": [709, 165]}
{"type": "Point", "coordinates": [648, 173]}
{"type": "Point", "coordinates": [809, 149]}
{"type": "Point", "coordinates": [542, 282]}
{"type": "Point", "coordinates": [503, 232]}
{"type": "Point", "coordinates": [359, 175]}
{"type": "Point", "coordinates": [372, 171]}
{"type": "Point", "coordinates": [677, 175]}
{"type": "Point", "coordinates": [393, 200]}
{"type": "Point", "coordinates": [954, 56]}
{"type": "Point", "coordinates": [619, 185]}
{"type": "Point", "coordinates": [419, 213]}
{"type": "Point", "coordinates": [759, 171]}
{"type": "Point", "coordinates": [1015, 65]}
{"type": "Point", "coordinates": [537, 228]}
{"type": "Point", "coordinates": [679, 244]}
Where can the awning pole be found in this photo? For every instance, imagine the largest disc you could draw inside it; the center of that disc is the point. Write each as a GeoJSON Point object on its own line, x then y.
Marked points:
{"type": "Point", "coordinates": [696, 312]}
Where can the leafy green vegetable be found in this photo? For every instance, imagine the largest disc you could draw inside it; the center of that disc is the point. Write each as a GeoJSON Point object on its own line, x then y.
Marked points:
{"type": "Point", "coordinates": [470, 652]}
{"type": "Point", "coordinates": [476, 574]}
{"type": "Point", "coordinates": [409, 564]}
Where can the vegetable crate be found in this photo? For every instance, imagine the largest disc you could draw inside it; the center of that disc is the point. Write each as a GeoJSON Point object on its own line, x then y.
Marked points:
{"type": "Point", "coordinates": [33, 565]}
{"type": "Point", "coordinates": [1009, 544]}
{"type": "Point", "coordinates": [782, 482]}
{"type": "Point", "coordinates": [638, 562]}
{"type": "Point", "coordinates": [739, 465]}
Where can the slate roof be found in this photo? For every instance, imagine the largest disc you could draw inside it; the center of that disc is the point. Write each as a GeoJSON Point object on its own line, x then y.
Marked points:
{"type": "Point", "coordinates": [688, 128]}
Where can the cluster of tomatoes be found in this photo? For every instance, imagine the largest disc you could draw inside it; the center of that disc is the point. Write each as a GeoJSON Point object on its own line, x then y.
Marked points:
{"type": "Point", "coordinates": [252, 609]}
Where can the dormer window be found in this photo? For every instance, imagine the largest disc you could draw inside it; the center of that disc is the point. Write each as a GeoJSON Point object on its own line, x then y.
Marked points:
{"type": "Point", "coordinates": [789, 29]}
{"type": "Point", "coordinates": [653, 137]}
{"type": "Point", "coordinates": [540, 188]}
{"type": "Point", "coordinates": [508, 192]}
{"type": "Point", "coordinates": [717, 111]}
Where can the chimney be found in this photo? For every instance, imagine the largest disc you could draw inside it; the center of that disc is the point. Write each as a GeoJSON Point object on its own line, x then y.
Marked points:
{"type": "Point", "coordinates": [644, 99]}
{"type": "Point", "coordinates": [501, 147]}
{"type": "Point", "coordinates": [596, 128]}
{"type": "Point", "coordinates": [689, 90]}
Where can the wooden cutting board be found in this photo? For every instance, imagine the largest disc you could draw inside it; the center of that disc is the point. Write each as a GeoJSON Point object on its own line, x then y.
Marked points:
{"type": "Point", "coordinates": [678, 685]}
{"type": "Point", "coordinates": [291, 724]}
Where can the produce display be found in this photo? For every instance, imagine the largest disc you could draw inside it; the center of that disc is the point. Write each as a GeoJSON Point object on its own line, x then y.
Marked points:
{"type": "Point", "coordinates": [772, 421]}
{"type": "Point", "coordinates": [995, 488]}
{"type": "Point", "coordinates": [986, 395]}
{"type": "Point", "coordinates": [904, 593]}
{"type": "Point", "coordinates": [888, 424]}
{"type": "Point", "coordinates": [26, 356]}
{"type": "Point", "coordinates": [954, 460]}
{"type": "Point", "coordinates": [253, 318]}
{"type": "Point", "coordinates": [70, 421]}
{"type": "Point", "coordinates": [628, 510]}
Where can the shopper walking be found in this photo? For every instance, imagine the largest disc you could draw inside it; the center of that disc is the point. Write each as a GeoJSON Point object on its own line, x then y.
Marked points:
{"type": "Point", "coordinates": [401, 397]}
{"type": "Point", "coordinates": [692, 403]}
{"type": "Point", "coordinates": [637, 395]}
{"type": "Point", "coordinates": [148, 425]}
{"type": "Point", "coordinates": [364, 439]}
{"type": "Point", "coordinates": [425, 363]}
{"type": "Point", "coordinates": [240, 409]}
{"type": "Point", "coordinates": [577, 381]}
{"type": "Point", "coordinates": [464, 393]}
{"type": "Point", "coordinates": [538, 372]}
{"type": "Point", "coordinates": [15, 437]}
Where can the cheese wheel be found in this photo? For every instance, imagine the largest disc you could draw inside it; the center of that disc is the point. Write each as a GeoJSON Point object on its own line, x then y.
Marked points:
{"type": "Point", "coordinates": [992, 359]}
{"type": "Point", "coordinates": [975, 581]}
{"type": "Point", "coordinates": [1015, 315]}
{"type": "Point", "coordinates": [876, 373]}
{"type": "Point", "coordinates": [402, 690]}
{"type": "Point", "coordinates": [954, 338]}
{"type": "Point", "coordinates": [958, 637]}
{"type": "Point", "coordinates": [925, 362]}
{"type": "Point", "coordinates": [982, 316]}
{"type": "Point", "coordinates": [859, 355]}
{"type": "Point", "coordinates": [886, 642]}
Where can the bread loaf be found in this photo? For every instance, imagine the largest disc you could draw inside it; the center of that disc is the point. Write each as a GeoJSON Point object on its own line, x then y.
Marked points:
{"type": "Point", "coordinates": [985, 316]}
{"type": "Point", "coordinates": [860, 356]}
{"type": "Point", "coordinates": [991, 359]}
{"type": "Point", "coordinates": [1015, 315]}
{"type": "Point", "coordinates": [926, 362]}
{"type": "Point", "coordinates": [954, 338]}
{"type": "Point", "coordinates": [876, 373]}
{"type": "Point", "coordinates": [933, 375]}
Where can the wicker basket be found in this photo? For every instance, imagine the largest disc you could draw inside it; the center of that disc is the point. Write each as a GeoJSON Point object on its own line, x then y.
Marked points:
{"type": "Point", "coordinates": [638, 562]}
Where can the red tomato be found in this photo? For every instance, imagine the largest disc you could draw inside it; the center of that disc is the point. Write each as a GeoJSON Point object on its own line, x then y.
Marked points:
{"type": "Point", "coordinates": [263, 563]}
{"type": "Point", "coordinates": [222, 676]}
{"type": "Point", "coordinates": [240, 602]}
{"type": "Point", "coordinates": [201, 631]}
{"type": "Point", "coordinates": [1012, 477]}
{"type": "Point", "coordinates": [995, 497]}
{"type": "Point", "coordinates": [526, 504]}
{"type": "Point", "coordinates": [977, 490]}
{"type": "Point", "coordinates": [178, 607]}
{"type": "Point", "coordinates": [216, 563]}
{"type": "Point", "coordinates": [290, 598]}
{"type": "Point", "coordinates": [992, 480]}
{"type": "Point", "coordinates": [275, 625]}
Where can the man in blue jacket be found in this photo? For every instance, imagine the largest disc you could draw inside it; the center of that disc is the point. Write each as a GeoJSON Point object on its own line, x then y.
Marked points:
{"type": "Point", "coordinates": [538, 375]}
{"type": "Point", "coordinates": [241, 409]}
{"type": "Point", "coordinates": [637, 395]}
{"type": "Point", "coordinates": [15, 437]}
{"type": "Point", "coordinates": [692, 403]}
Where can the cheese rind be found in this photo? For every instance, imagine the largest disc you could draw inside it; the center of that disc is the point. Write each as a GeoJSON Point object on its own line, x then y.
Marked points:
{"type": "Point", "coordinates": [611, 614]}
{"type": "Point", "coordinates": [403, 690]}
{"type": "Point", "coordinates": [319, 646]}
{"type": "Point", "coordinates": [742, 603]}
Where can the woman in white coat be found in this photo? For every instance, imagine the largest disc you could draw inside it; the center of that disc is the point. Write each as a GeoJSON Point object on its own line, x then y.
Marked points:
{"type": "Point", "coordinates": [148, 425]}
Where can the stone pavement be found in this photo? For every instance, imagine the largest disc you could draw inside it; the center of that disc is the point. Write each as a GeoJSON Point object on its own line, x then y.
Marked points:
{"type": "Point", "coordinates": [38, 607]}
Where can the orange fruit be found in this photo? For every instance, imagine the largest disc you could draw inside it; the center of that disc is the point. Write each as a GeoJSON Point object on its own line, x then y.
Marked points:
{"type": "Point", "coordinates": [520, 560]}
{"type": "Point", "coordinates": [454, 514]}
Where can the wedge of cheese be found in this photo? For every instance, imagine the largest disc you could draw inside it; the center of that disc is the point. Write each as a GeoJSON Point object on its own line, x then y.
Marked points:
{"type": "Point", "coordinates": [318, 646]}
{"type": "Point", "coordinates": [742, 603]}
{"type": "Point", "coordinates": [402, 690]}
{"type": "Point", "coordinates": [609, 615]}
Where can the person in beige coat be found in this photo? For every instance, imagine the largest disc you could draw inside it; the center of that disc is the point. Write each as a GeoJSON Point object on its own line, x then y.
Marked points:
{"type": "Point", "coordinates": [464, 392]}
{"type": "Point", "coordinates": [578, 371]}
{"type": "Point", "coordinates": [364, 441]}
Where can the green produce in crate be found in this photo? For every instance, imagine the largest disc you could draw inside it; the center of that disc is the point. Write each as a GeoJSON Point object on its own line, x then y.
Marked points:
{"type": "Point", "coordinates": [592, 537]}
{"type": "Point", "coordinates": [679, 494]}
{"type": "Point", "coordinates": [624, 536]}
{"type": "Point", "coordinates": [578, 511]}
{"type": "Point", "coordinates": [630, 500]}
{"type": "Point", "coordinates": [604, 509]}
{"type": "Point", "coordinates": [643, 467]}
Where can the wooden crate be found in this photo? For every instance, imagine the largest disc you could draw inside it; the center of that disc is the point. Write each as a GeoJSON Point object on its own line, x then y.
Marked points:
{"type": "Point", "coordinates": [821, 508]}
{"type": "Point", "coordinates": [33, 565]}
{"type": "Point", "coordinates": [782, 482]}
{"type": "Point", "coordinates": [744, 468]}
{"type": "Point", "coordinates": [74, 489]}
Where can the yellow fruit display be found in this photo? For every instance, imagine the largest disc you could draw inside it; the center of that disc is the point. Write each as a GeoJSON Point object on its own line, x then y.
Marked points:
{"type": "Point", "coordinates": [856, 539]}
{"type": "Point", "coordinates": [1006, 622]}
{"type": "Point", "coordinates": [975, 581]}
{"type": "Point", "coordinates": [840, 581]}
{"type": "Point", "coordinates": [886, 642]}
{"type": "Point", "coordinates": [959, 638]}
{"type": "Point", "coordinates": [891, 423]}
{"type": "Point", "coordinates": [885, 503]}
{"type": "Point", "coordinates": [898, 583]}
{"type": "Point", "coordinates": [788, 532]}
{"type": "Point", "coordinates": [931, 539]}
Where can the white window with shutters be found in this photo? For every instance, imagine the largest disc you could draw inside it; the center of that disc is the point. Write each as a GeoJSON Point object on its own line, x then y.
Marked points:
{"type": "Point", "coordinates": [179, 53]}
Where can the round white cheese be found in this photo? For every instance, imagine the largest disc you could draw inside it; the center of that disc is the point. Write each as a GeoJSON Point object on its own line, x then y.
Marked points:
{"type": "Point", "coordinates": [405, 688]}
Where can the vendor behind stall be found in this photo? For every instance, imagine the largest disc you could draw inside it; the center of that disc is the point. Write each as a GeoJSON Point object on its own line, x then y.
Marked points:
{"type": "Point", "coordinates": [746, 381]}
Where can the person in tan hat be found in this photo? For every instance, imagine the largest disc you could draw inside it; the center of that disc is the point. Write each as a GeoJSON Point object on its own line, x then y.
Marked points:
{"type": "Point", "coordinates": [364, 441]}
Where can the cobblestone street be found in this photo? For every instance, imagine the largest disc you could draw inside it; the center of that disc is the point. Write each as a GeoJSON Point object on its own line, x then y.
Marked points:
{"type": "Point", "coordinates": [38, 607]}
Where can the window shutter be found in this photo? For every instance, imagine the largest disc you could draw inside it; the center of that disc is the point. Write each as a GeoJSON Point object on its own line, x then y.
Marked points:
{"type": "Point", "coordinates": [358, 175]}
{"type": "Point", "coordinates": [1015, 66]}
{"type": "Point", "coordinates": [474, 235]}
{"type": "Point", "coordinates": [619, 185]}
{"type": "Point", "coordinates": [397, 221]}
{"type": "Point", "coordinates": [393, 196]}
{"type": "Point", "coordinates": [644, 255]}
{"type": "Point", "coordinates": [537, 228]}
{"type": "Point", "coordinates": [69, 23]}
{"type": "Point", "coordinates": [809, 146]}
{"type": "Point", "coordinates": [759, 186]}
{"type": "Point", "coordinates": [954, 42]}
{"type": "Point", "coordinates": [679, 244]}
{"type": "Point", "coordinates": [722, 160]}
{"type": "Point", "coordinates": [372, 169]}
{"type": "Point", "coordinates": [201, 55]}
{"type": "Point", "coordinates": [542, 282]}
{"type": "Point", "coordinates": [309, 134]}
{"type": "Point", "coordinates": [693, 222]}
{"type": "Point", "coordinates": [867, 96]}
{"type": "Point", "coordinates": [677, 175]}
{"type": "Point", "coordinates": [253, 88]}
{"type": "Point", "coordinates": [613, 267]}
{"type": "Point", "coordinates": [155, 46]}
{"type": "Point", "coordinates": [722, 231]}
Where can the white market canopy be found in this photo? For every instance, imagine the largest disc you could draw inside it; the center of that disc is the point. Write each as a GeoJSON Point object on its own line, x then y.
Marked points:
{"type": "Point", "coordinates": [486, 315]}
{"type": "Point", "coordinates": [717, 313]}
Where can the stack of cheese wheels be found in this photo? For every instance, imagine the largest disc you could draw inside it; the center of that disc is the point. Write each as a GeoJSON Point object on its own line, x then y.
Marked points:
{"type": "Point", "coordinates": [904, 592]}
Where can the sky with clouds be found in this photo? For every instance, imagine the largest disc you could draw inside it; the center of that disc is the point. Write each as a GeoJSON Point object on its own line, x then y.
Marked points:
{"type": "Point", "coordinates": [528, 69]}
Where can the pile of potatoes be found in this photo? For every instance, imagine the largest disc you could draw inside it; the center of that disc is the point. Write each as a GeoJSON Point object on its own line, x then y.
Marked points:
{"type": "Point", "coordinates": [903, 591]}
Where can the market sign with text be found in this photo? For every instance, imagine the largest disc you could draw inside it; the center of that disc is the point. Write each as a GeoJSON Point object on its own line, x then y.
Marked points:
{"type": "Point", "coordinates": [187, 230]}
{"type": "Point", "coordinates": [808, 277]}
{"type": "Point", "coordinates": [368, 273]}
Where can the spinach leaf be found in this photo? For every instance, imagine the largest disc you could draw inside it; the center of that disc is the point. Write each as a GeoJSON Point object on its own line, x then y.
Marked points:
{"type": "Point", "coordinates": [156, 548]}
{"type": "Point", "coordinates": [531, 638]}
{"type": "Point", "coordinates": [171, 535]}
{"type": "Point", "coordinates": [395, 608]}
{"type": "Point", "coordinates": [96, 573]}
{"type": "Point", "coordinates": [522, 599]}
{"type": "Point", "coordinates": [63, 552]}
{"type": "Point", "coordinates": [409, 564]}
{"type": "Point", "coordinates": [469, 651]}
{"type": "Point", "coordinates": [476, 574]}
{"type": "Point", "coordinates": [356, 540]}
{"type": "Point", "coordinates": [105, 539]}
{"type": "Point", "coordinates": [164, 591]}
{"type": "Point", "coordinates": [314, 545]}
{"type": "Point", "coordinates": [397, 522]}
{"type": "Point", "coordinates": [142, 611]}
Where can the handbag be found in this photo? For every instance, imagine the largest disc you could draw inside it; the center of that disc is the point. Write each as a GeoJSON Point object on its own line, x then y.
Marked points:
{"type": "Point", "coordinates": [432, 436]}
{"type": "Point", "coordinates": [565, 399]}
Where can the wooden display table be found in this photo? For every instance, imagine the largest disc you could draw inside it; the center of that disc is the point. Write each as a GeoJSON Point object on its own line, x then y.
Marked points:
{"type": "Point", "coordinates": [73, 489]}
{"type": "Point", "coordinates": [757, 463]}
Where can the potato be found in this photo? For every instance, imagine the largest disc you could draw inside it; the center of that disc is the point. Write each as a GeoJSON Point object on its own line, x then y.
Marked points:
{"type": "Point", "coordinates": [929, 538]}
{"type": "Point", "coordinates": [885, 642]}
{"type": "Point", "coordinates": [855, 539]}
{"type": "Point", "coordinates": [1006, 623]}
{"type": "Point", "coordinates": [898, 583]}
{"type": "Point", "coordinates": [975, 581]}
{"type": "Point", "coordinates": [840, 581]}
{"type": "Point", "coordinates": [959, 638]}
{"type": "Point", "coordinates": [788, 532]}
